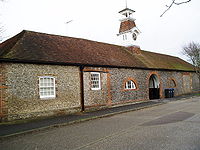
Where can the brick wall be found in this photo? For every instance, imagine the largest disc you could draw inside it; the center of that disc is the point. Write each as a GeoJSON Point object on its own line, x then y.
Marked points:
{"type": "Point", "coordinates": [119, 95]}
{"type": "Point", "coordinates": [195, 81]}
{"type": "Point", "coordinates": [96, 97]}
{"type": "Point", "coordinates": [21, 97]}
{"type": "Point", "coordinates": [166, 76]}
{"type": "Point", "coordinates": [3, 101]}
{"type": "Point", "coordinates": [113, 88]}
{"type": "Point", "coordinates": [118, 76]}
{"type": "Point", "coordinates": [23, 90]}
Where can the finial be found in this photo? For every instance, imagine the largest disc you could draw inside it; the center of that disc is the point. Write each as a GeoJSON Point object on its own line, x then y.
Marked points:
{"type": "Point", "coordinates": [126, 3]}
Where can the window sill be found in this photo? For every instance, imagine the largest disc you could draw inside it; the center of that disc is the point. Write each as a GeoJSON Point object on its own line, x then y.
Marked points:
{"type": "Point", "coordinates": [47, 98]}
{"type": "Point", "coordinates": [95, 89]}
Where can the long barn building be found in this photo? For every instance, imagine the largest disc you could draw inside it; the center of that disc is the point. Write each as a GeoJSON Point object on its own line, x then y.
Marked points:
{"type": "Point", "coordinates": [44, 75]}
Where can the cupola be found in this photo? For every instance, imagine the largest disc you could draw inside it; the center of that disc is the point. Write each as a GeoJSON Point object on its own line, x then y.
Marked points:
{"type": "Point", "coordinates": [128, 31]}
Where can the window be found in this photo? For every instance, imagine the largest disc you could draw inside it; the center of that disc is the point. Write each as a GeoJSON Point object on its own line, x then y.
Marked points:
{"type": "Point", "coordinates": [95, 81]}
{"type": "Point", "coordinates": [124, 37]}
{"type": "Point", "coordinates": [134, 36]}
{"type": "Point", "coordinates": [47, 87]}
{"type": "Point", "coordinates": [130, 85]}
{"type": "Point", "coordinates": [172, 83]}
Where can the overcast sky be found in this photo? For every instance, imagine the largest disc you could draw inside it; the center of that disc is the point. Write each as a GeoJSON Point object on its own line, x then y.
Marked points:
{"type": "Point", "coordinates": [98, 20]}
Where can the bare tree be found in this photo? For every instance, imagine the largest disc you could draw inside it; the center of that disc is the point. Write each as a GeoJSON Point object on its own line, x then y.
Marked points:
{"type": "Point", "coordinates": [192, 51]}
{"type": "Point", "coordinates": [174, 2]}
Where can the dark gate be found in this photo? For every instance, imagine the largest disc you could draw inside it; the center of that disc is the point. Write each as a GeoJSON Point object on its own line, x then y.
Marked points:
{"type": "Point", "coordinates": [154, 93]}
{"type": "Point", "coordinates": [154, 87]}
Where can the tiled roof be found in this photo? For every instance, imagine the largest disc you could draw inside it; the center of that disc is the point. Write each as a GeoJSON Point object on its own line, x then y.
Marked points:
{"type": "Point", "coordinates": [35, 47]}
{"type": "Point", "coordinates": [126, 25]}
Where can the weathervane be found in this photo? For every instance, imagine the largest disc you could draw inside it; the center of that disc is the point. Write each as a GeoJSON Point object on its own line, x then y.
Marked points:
{"type": "Point", "coordinates": [126, 3]}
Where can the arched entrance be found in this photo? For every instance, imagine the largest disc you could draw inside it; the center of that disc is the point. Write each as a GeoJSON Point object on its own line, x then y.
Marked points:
{"type": "Point", "coordinates": [154, 87]}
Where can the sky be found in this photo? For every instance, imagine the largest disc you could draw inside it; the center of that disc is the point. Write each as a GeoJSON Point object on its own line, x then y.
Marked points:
{"type": "Point", "coordinates": [98, 20]}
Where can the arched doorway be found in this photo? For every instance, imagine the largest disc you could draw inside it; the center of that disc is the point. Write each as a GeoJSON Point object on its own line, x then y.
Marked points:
{"type": "Point", "coordinates": [154, 87]}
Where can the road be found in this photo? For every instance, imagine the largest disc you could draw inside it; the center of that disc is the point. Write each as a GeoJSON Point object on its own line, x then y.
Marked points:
{"type": "Point", "coordinates": [172, 126]}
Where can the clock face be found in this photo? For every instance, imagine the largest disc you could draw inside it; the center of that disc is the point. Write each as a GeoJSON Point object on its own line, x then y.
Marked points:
{"type": "Point", "coordinates": [134, 36]}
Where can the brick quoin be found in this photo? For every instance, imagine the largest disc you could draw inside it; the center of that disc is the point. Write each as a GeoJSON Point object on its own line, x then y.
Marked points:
{"type": "Point", "coordinates": [3, 109]}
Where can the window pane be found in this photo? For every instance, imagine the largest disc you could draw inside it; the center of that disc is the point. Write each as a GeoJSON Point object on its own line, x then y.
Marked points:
{"type": "Point", "coordinates": [130, 85]}
{"type": "Point", "coordinates": [47, 87]}
{"type": "Point", "coordinates": [95, 81]}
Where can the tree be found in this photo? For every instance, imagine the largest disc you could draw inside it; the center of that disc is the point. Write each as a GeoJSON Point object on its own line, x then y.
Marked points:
{"type": "Point", "coordinates": [174, 2]}
{"type": "Point", "coordinates": [192, 51]}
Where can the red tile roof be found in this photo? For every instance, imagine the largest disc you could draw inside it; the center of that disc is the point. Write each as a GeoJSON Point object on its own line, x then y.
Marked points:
{"type": "Point", "coordinates": [35, 47]}
{"type": "Point", "coordinates": [126, 25]}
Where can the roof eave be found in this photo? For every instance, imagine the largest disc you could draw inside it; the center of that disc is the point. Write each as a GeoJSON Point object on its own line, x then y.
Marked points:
{"type": "Point", "coordinates": [86, 65]}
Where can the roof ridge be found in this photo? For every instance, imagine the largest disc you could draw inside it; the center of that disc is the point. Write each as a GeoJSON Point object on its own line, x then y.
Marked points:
{"type": "Point", "coordinates": [51, 34]}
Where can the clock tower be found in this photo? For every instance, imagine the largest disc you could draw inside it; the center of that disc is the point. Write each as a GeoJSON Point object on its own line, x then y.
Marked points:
{"type": "Point", "coordinates": [128, 31]}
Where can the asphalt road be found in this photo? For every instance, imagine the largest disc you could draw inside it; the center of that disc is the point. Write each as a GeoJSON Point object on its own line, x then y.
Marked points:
{"type": "Point", "coordinates": [21, 127]}
{"type": "Point", "coordinates": [171, 126]}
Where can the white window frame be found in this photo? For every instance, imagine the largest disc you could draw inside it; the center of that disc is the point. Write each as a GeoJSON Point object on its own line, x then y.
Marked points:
{"type": "Point", "coordinates": [47, 86]}
{"type": "Point", "coordinates": [98, 82]}
{"type": "Point", "coordinates": [124, 37]}
{"type": "Point", "coordinates": [132, 85]}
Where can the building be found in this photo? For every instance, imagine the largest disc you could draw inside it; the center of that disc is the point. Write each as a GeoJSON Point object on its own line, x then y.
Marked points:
{"type": "Point", "coordinates": [128, 31]}
{"type": "Point", "coordinates": [44, 75]}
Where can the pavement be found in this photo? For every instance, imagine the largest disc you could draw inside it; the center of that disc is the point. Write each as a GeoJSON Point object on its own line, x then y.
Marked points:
{"type": "Point", "coordinates": [19, 128]}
